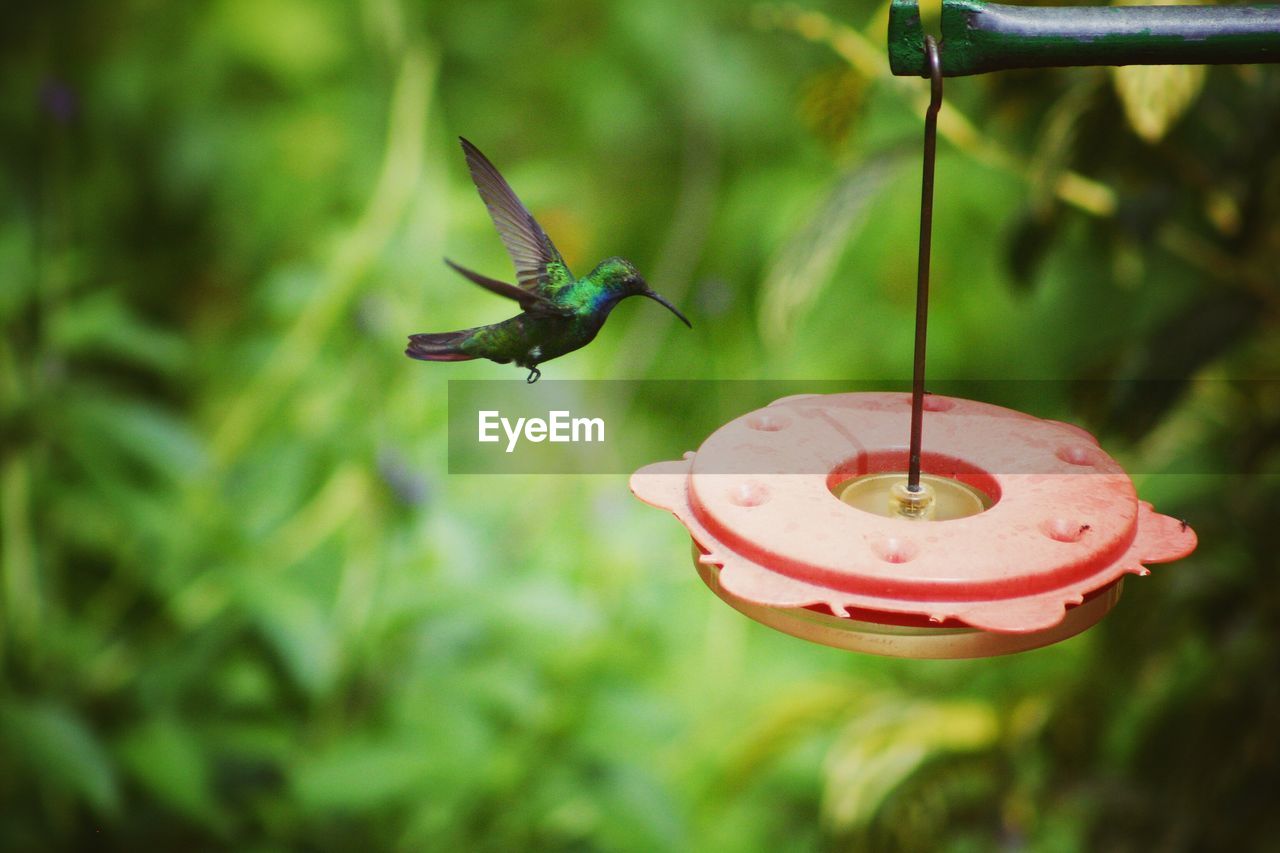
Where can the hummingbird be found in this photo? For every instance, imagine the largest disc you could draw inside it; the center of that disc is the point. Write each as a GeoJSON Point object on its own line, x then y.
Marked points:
{"type": "Point", "coordinates": [560, 313]}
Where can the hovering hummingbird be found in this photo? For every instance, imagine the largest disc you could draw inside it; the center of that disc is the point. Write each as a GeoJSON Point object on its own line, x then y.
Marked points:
{"type": "Point", "coordinates": [561, 313]}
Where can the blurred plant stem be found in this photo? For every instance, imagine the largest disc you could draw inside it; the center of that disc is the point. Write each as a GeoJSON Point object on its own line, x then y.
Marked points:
{"type": "Point", "coordinates": [22, 604]}
{"type": "Point", "coordinates": [687, 235]}
{"type": "Point", "coordinates": [355, 253]}
{"type": "Point", "coordinates": [1219, 265]}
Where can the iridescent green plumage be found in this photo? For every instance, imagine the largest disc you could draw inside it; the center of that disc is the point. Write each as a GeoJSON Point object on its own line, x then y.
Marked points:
{"type": "Point", "coordinates": [561, 313]}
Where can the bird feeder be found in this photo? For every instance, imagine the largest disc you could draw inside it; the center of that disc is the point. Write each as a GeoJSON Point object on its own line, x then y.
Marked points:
{"type": "Point", "coordinates": [916, 525]}
{"type": "Point", "coordinates": [1021, 534]}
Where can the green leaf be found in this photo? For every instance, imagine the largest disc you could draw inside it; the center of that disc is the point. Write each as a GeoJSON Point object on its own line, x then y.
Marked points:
{"type": "Point", "coordinates": [291, 39]}
{"type": "Point", "coordinates": [300, 631]}
{"type": "Point", "coordinates": [142, 432]}
{"type": "Point", "coordinates": [360, 775]}
{"type": "Point", "coordinates": [101, 326]}
{"type": "Point", "coordinates": [1150, 376]}
{"type": "Point", "coordinates": [167, 760]}
{"type": "Point", "coordinates": [60, 750]}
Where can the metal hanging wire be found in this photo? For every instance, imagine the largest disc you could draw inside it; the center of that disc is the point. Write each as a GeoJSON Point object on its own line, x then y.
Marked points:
{"type": "Point", "coordinates": [922, 275]}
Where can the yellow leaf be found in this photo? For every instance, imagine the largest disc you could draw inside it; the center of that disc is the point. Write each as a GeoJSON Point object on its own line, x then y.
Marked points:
{"type": "Point", "coordinates": [1156, 96]}
{"type": "Point", "coordinates": [882, 748]}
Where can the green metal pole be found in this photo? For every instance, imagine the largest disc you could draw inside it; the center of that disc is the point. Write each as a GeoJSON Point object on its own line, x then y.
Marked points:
{"type": "Point", "coordinates": [979, 37]}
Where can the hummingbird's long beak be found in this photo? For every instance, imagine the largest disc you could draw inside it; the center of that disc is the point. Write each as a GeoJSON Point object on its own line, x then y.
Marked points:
{"type": "Point", "coordinates": [660, 299]}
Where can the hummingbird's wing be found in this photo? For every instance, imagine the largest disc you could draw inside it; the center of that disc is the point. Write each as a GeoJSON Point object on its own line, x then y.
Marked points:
{"type": "Point", "coordinates": [539, 267]}
{"type": "Point", "coordinates": [529, 300]}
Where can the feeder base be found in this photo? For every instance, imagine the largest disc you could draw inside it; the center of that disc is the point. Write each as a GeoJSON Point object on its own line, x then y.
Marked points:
{"type": "Point", "coordinates": [934, 643]}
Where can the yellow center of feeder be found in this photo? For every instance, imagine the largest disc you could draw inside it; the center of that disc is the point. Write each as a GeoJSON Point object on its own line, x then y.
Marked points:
{"type": "Point", "coordinates": [938, 499]}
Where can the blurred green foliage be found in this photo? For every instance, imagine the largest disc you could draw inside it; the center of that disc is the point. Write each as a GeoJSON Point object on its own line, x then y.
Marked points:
{"type": "Point", "coordinates": [244, 605]}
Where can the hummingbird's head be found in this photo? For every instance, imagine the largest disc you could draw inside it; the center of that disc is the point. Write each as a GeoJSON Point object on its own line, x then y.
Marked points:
{"type": "Point", "coordinates": [625, 280]}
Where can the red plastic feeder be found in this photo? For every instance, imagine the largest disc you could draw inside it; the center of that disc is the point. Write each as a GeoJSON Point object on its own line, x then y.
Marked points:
{"type": "Point", "coordinates": [800, 521]}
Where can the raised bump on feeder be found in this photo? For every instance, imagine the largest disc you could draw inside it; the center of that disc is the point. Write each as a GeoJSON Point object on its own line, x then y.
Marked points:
{"type": "Point", "coordinates": [1044, 559]}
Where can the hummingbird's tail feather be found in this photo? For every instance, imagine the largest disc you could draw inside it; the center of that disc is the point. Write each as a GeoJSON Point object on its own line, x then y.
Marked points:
{"type": "Point", "coordinates": [439, 346]}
